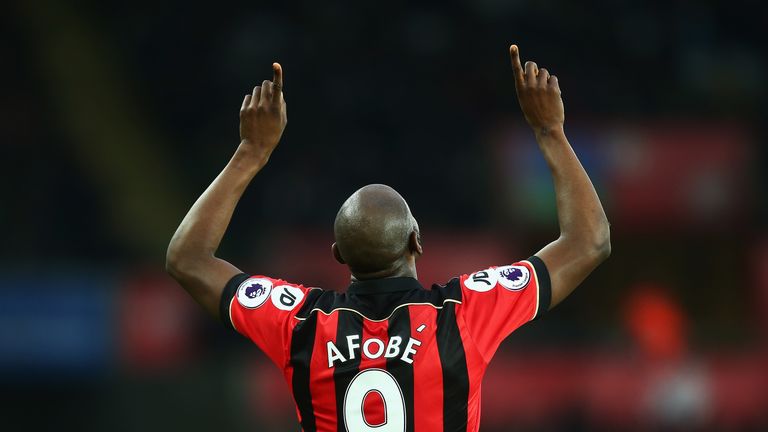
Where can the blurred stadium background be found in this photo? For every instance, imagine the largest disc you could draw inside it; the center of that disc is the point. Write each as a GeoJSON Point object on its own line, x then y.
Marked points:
{"type": "Point", "coordinates": [116, 115]}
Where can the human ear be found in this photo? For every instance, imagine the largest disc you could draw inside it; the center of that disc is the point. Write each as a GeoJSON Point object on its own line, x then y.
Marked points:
{"type": "Point", "coordinates": [337, 254]}
{"type": "Point", "coordinates": [414, 243]}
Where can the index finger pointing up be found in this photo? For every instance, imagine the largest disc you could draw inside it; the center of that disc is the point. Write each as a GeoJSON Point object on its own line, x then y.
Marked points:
{"type": "Point", "coordinates": [517, 68]}
{"type": "Point", "coordinates": [277, 75]}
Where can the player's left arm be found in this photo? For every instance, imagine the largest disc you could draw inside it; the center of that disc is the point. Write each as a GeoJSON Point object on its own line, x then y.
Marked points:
{"type": "Point", "coordinates": [191, 258]}
{"type": "Point", "coordinates": [584, 240]}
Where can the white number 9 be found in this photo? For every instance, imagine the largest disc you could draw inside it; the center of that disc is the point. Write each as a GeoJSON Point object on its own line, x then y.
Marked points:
{"type": "Point", "coordinates": [382, 382]}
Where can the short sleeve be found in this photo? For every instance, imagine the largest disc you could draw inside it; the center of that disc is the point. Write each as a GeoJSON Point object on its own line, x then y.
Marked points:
{"type": "Point", "coordinates": [498, 300]}
{"type": "Point", "coordinates": [263, 310]}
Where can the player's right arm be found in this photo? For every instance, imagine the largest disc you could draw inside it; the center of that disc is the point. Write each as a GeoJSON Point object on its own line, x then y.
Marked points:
{"type": "Point", "coordinates": [191, 258]}
{"type": "Point", "coordinates": [584, 240]}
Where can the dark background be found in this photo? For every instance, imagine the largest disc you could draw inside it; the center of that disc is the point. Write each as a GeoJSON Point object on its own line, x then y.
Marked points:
{"type": "Point", "coordinates": [115, 116]}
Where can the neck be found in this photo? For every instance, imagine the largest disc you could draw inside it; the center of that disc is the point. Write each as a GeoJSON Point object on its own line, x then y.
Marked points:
{"type": "Point", "coordinates": [401, 268]}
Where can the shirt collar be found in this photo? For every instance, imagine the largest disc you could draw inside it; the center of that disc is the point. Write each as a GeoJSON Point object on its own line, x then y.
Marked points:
{"type": "Point", "coordinates": [384, 285]}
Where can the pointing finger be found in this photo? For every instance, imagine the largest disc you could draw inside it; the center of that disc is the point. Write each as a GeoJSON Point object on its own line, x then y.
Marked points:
{"type": "Point", "coordinates": [246, 102]}
{"type": "Point", "coordinates": [517, 68]}
{"type": "Point", "coordinates": [277, 76]}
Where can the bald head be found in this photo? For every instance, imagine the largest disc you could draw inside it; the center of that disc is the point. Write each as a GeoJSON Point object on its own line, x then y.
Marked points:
{"type": "Point", "coordinates": [375, 232]}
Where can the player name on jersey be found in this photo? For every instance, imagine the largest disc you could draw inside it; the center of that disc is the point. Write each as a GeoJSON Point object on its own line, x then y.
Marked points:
{"type": "Point", "coordinates": [373, 348]}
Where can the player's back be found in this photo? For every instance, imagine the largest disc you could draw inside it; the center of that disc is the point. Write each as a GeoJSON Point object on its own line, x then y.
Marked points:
{"type": "Point", "coordinates": [387, 355]}
{"type": "Point", "coordinates": [375, 345]}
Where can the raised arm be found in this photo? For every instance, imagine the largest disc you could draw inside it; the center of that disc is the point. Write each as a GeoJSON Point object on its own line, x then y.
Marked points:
{"type": "Point", "coordinates": [584, 240]}
{"type": "Point", "coordinates": [191, 258]}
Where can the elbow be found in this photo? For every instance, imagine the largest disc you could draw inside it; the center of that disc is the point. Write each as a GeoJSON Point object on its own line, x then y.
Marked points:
{"type": "Point", "coordinates": [601, 245]}
{"type": "Point", "coordinates": [593, 245]}
{"type": "Point", "coordinates": [604, 249]}
{"type": "Point", "coordinates": [185, 265]}
{"type": "Point", "coordinates": [173, 262]}
{"type": "Point", "coordinates": [178, 264]}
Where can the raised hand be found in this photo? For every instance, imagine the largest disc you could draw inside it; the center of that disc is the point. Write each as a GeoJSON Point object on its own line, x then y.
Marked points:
{"type": "Point", "coordinates": [263, 116]}
{"type": "Point", "coordinates": [538, 93]}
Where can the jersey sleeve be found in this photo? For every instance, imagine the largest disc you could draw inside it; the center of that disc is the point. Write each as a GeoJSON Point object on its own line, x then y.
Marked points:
{"type": "Point", "coordinates": [263, 309]}
{"type": "Point", "coordinates": [498, 300]}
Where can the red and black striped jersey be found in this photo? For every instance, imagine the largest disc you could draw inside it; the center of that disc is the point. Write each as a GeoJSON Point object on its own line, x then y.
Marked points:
{"type": "Point", "coordinates": [388, 354]}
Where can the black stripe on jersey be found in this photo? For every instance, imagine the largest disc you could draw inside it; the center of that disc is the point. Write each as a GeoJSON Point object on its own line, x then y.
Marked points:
{"type": "Point", "coordinates": [302, 344]}
{"type": "Point", "coordinates": [348, 324]}
{"type": "Point", "coordinates": [230, 289]}
{"type": "Point", "coordinates": [451, 290]}
{"type": "Point", "coordinates": [313, 296]}
{"type": "Point", "coordinates": [399, 324]}
{"type": "Point", "coordinates": [454, 364]}
{"type": "Point", "coordinates": [545, 285]}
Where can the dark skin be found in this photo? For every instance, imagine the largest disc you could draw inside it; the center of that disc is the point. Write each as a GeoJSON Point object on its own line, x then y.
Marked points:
{"type": "Point", "coordinates": [584, 240]}
{"type": "Point", "coordinates": [376, 235]}
{"type": "Point", "coordinates": [191, 258]}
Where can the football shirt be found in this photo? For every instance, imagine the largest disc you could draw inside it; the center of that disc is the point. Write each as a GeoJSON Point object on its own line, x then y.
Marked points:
{"type": "Point", "coordinates": [387, 355]}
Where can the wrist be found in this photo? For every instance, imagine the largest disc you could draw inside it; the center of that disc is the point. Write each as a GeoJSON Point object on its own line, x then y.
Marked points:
{"type": "Point", "coordinates": [248, 156]}
{"type": "Point", "coordinates": [549, 131]}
